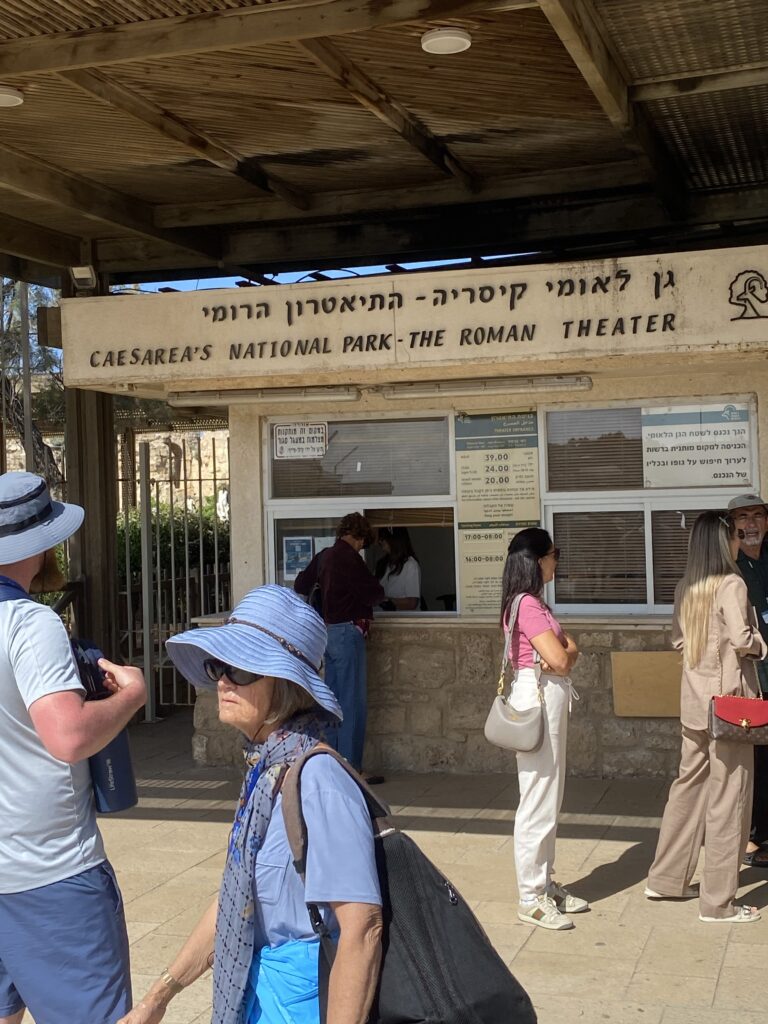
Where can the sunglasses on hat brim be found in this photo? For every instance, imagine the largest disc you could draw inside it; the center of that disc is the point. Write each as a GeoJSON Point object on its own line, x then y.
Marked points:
{"type": "Point", "coordinates": [216, 670]}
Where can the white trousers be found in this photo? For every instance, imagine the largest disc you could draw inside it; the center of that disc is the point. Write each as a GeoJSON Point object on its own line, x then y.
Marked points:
{"type": "Point", "coordinates": [542, 779]}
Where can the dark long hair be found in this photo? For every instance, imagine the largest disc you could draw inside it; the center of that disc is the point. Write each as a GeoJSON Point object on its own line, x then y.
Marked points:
{"type": "Point", "coordinates": [400, 550]}
{"type": "Point", "coordinates": [522, 572]}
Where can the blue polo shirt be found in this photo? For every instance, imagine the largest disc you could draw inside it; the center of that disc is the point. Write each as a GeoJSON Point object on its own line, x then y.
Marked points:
{"type": "Point", "coordinates": [341, 862]}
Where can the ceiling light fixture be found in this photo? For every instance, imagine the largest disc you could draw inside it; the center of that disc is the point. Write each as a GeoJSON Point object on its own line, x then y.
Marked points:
{"type": "Point", "coordinates": [264, 396]}
{"type": "Point", "coordinates": [486, 386]}
{"type": "Point", "coordinates": [446, 40]}
{"type": "Point", "coordinates": [10, 97]}
{"type": "Point", "coordinates": [83, 278]}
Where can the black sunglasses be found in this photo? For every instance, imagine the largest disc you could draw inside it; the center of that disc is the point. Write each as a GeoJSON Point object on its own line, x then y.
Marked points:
{"type": "Point", "coordinates": [555, 552]}
{"type": "Point", "coordinates": [216, 669]}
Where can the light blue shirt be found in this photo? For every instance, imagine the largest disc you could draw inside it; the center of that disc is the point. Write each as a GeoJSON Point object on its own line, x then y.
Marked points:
{"type": "Point", "coordinates": [47, 819]}
{"type": "Point", "coordinates": [341, 862]}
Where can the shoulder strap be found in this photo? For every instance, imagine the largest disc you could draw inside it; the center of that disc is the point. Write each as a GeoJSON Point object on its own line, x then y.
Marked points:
{"type": "Point", "coordinates": [509, 625]}
{"type": "Point", "coordinates": [322, 558]}
{"type": "Point", "coordinates": [293, 816]}
{"type": "Point", "coordinates": [296, 831]}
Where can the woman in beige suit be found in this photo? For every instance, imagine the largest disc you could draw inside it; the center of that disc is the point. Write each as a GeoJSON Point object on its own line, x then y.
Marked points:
{"type": "Point", "coordinates": [710, 801]}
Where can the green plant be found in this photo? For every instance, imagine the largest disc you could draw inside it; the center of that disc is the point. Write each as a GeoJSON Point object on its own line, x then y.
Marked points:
{"type": "Point", "coordinates": [169, 535]}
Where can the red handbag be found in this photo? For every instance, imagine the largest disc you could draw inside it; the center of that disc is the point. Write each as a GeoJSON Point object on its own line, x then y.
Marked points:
{"type": "Point", "coordinates": [739, 719]}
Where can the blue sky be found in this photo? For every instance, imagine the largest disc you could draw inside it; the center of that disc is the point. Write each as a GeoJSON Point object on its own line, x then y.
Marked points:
{"type": "Point", "coordinates": [302, 275]}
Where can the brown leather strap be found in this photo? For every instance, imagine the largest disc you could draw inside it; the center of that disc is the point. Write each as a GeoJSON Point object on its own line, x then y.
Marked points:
{"type": "Point", "coordinates": [295, 826]}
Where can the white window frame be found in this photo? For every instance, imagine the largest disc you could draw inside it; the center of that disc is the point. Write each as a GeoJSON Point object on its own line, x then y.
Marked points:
{"type": "Point", "coordinates": [648, 500]}
{"type": "Point", "coordinates": [335, 507]}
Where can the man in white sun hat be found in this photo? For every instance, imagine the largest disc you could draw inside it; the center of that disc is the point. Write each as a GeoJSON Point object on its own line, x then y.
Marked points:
{"type": "Point", "coordinates": [63, 943]}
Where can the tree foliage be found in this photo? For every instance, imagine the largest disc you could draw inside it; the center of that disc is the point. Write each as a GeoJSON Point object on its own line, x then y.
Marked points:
{"type": "Point", "coordinates": [47, 395]}
{"type": "Point", "coordinates": [169, 535]}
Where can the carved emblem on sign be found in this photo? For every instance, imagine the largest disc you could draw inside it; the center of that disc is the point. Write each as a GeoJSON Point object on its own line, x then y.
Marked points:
{"type": "Point", "coordinates": [749, 290]}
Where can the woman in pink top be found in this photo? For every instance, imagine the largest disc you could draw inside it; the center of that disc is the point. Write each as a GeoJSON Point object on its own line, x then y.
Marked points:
{"type": "Point", "coordinates": [542, 655]}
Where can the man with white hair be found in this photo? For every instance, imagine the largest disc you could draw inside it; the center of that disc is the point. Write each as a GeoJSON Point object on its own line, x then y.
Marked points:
{"type": "Point", "coordinates": [750, 516]}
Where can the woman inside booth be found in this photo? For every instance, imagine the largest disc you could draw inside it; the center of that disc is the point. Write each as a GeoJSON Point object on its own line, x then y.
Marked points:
{"type": "Point", "coordinates": [399, 571]}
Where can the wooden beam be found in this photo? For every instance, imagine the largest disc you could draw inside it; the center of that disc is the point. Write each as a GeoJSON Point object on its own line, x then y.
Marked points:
{"type": "Point", "coordinates": [472, 228]}
{"type": "Point", "coordinates": [697, 84]}
{"type": "Point", "coordinates": [505, 6]}
{"type": "Point", "coordinates": [576, 25]}
{"type": "Point", "coordinates": [42, 245]}
{"type": "Point", "coordinates": [49, 326]}
{"type": "Point", "coordinates": [172, 127]}
{"type": "Point", "coordinates": [587, 178]}
{"type": "Point", "coordinates": [91, 482]}
{"type": "Point", "coordinates": [739, 207]}
{"type": "Point", "coordinates": [370, 95]}
{"type": "Point", "coordinates": [33, 273]}
{"type": "Point", "coordinates": [32, 177]}
{"type": "Point", "coordinates": [260, 25]}
{"type": "Point", "coordinates": [579, 29]}
{"type": "Point", "coordinates": [413, 234]}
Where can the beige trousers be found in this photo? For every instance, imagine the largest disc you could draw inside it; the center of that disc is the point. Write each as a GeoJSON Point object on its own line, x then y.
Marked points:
{"type": "Point", "coordinates": [710, 801]}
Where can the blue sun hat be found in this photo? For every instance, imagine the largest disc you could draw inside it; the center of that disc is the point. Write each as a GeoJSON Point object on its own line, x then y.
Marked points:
{"type": "Point", "coordinates": [30, 521]}
{"type": "Point", "coordinates": [272, 632]}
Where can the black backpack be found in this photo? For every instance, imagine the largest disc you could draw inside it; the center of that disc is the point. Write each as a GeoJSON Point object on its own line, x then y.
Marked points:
{"type": "Point", "coordinates": [438, 965]}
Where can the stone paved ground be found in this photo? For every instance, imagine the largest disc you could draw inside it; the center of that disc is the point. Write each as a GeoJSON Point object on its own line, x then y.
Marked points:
{"type": "Point", "coordinates": [626, 961]}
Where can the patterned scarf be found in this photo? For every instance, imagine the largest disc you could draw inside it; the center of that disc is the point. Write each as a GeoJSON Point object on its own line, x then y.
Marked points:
{"type": "Point", "coordinates": [266, 762]}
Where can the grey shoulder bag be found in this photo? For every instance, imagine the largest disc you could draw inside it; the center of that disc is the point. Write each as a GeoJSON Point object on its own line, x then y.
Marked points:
{"type": "Point", "coordinates": [505, 726]}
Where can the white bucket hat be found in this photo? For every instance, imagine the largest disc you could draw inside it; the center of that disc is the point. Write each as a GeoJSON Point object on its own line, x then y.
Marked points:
{"type": "Point", "coordinates": [30, 521]}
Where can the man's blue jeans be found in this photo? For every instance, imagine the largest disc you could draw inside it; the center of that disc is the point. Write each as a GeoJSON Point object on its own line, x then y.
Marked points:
{"type": "Point", "coordinates": [346, 676]}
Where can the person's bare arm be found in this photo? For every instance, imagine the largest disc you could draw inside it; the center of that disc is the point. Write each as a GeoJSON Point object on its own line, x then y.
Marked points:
{"type": "Point", "coordinates": [557, 656]}
{"type": "Point", "coordinates": [193, 959]}
{"type": "Point", "coordinates": [405, 604]}
{"type": "Point", "coordinates": [72, 729]}
{"type": "Point", "coordinates": [355, 971]}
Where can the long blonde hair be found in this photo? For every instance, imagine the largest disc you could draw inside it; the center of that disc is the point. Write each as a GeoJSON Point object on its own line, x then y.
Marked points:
{"type": "Point", "coordinates": [709, 562]}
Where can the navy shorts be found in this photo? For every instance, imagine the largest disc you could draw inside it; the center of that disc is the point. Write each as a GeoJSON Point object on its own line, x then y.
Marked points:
{"type": "Point", "coordinates": [64, 951]}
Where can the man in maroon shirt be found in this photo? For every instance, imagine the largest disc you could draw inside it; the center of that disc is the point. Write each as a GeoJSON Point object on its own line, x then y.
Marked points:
{"type": "Point", "coordinates": [348, 592]}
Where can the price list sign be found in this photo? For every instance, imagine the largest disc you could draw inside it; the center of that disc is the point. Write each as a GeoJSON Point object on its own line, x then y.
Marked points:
{"type": "Point", "coordinates": [497, 479]}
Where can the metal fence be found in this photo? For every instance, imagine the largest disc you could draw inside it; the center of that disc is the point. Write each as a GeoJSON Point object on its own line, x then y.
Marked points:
{"type": "Point", "coordinates": [173, 553]}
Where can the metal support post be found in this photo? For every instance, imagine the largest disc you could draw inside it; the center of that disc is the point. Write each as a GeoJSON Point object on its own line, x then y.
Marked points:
{"type": "Point", "coordinates": [26, 370]}
{"type": "Point", "coordinates": [147, 595]}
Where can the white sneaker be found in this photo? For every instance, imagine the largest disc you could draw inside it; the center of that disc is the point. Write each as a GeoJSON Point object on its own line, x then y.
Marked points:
{"type": "Point", "coordinates": [543, 913]}
{"type": "Point", "coordinates": [564, 901]}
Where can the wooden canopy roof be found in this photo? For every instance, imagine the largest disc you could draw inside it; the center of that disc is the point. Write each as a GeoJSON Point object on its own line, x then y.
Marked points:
{"type": "Point", "coordinates": [175, 138]}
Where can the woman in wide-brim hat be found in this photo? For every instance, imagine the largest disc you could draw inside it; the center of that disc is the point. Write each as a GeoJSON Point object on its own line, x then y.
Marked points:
{"type": "Point", "coordinates": [265, 664]}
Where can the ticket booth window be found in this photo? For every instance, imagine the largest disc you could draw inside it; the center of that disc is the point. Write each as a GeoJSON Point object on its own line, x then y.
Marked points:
{"type": "Point", "coordinates": [623, 487]}
{"type": "Point", "coordinates": [397, 472]}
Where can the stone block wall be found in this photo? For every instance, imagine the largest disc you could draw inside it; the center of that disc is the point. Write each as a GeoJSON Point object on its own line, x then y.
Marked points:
{"type": "Point", "coordinates": [429, 690]}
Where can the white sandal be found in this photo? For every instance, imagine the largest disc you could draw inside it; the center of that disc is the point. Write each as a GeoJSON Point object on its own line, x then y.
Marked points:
{"type": "Point", "coordinates": [743, 915]}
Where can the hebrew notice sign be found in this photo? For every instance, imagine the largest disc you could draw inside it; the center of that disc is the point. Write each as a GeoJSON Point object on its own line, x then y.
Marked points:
{"type": "Point", "coordinates": [300, 440]}
{"type": "Point", "coordinates": [697, 446]}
